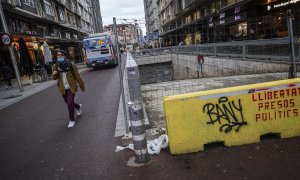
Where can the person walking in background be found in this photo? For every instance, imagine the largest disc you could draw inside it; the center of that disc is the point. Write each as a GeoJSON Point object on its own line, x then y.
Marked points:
{"type": "Point", "coordinates": [7, 75]}
{"type": "Point", "coordinates": [68, 77]}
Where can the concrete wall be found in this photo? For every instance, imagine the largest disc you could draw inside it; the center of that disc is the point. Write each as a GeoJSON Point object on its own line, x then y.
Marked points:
{"type": "Point", "coordinates": [186, 67]}
{"type": "Point", "coordinates": [154, 69]}
{"type": "Point", "coordinates": [155, 73]}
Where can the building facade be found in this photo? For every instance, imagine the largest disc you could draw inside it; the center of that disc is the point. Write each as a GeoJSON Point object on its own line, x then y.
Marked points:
{"type": "Point", "coordinates": [211, 21]}
{"type": "Point", "coordinates": [127, 33]}
{"type": "Point", "coordinates": [60, 23]}
{"type": "Point", "coordinates": [98, 23]}
{"type": "Point", "coordinates": [151, 18]}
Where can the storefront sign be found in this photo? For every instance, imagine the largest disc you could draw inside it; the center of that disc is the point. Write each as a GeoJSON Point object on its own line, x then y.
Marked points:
{"type": "Point", "coordinates": [5, 39]}
{"type": "Point", "coordinates": [286, 3]}
{"type": "Point", "coordinates": [237, 18]}
{"type": "Point", "coordinates": [283, 4]}
{"type": "Point", "coordinates": [240, 17]}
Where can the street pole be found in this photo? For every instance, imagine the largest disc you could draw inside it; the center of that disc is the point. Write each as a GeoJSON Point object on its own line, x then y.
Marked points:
{"type": "Point", "coordinates": [137, 31]}
{"type": "Point", "coordinates": [136, 112]}
{"type": "Point", "coordinates": [293, 68]}
{"type": "Point", "coordinates": [120, 74]}
{"type": "Point", "coordinates": [10, 48]}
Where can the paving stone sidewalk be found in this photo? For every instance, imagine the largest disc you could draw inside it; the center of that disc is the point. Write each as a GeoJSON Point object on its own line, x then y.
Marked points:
{"type": "Point", "coordinates": [9, 97]}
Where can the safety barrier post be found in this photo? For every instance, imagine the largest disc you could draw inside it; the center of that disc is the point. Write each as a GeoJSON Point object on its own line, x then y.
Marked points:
{"type": "Point", "coordinates": [136, 113]}
{"type": "Point", "coordinates": [138, 132]}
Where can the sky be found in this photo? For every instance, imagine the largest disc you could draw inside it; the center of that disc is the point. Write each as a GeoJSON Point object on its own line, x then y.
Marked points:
{"type": "Point", "coordinates": [128, 9]}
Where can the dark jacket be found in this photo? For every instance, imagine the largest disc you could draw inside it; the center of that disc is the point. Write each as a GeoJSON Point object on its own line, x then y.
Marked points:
{"type": "Point", "coordinates": [73, 78]}
{"type": "Point", "coordinates": [6, 72]}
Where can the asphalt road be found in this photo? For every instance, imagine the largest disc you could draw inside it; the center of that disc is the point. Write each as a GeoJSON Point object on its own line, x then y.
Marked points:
{"type": "Point", "coordinates": [35, 144]}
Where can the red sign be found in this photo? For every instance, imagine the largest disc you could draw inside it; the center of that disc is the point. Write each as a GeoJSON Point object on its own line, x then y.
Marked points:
{"type": "Point", "coordinates": [5, 39]}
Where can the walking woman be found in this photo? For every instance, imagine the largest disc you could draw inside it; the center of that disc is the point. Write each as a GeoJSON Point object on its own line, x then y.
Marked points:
{"type": "Point", "coordinates": [67, 77]}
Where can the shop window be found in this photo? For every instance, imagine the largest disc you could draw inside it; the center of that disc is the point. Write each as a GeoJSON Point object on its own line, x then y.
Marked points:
{"type": "Point", "coordinates": [188, 39]}
{"type": "Point", "coordinates": [233, 30]}
{"type": "Point", "coordinates": [57, 33]}
{"type": "Point", "coordinates": [280, 26]}
{"type": "Point", "coordinates": [202, 12]}
{"type": "Point", "coordinates": [243, 28]}
{"type": "Point", "coordinates": [29, 3]}
{"type": "Point", "coordinates": [187, 19]}
{"type": "Point", "coordinates": [198, 14]}
{"type": "Point", "coordinates": [195, 16]}
{"type": "Point", "coordinates": [43, 30]}
{"type": "Point", "coordinates": [197, 38]}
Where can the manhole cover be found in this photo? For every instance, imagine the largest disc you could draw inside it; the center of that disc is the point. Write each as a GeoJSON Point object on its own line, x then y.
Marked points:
{"type": "Point", "coordinates": [12, 96]}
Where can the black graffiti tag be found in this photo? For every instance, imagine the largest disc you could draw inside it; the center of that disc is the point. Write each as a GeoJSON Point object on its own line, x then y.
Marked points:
{"type": "Point", "coordinates": [228, 114]}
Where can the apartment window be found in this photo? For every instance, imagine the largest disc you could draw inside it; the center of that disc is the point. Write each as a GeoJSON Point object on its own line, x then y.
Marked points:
{"type": "Point", "coordinates": [69, 18]}
{"type": "Point", "coordinates": [212, 8]}
{"type": "Point", "coordinates": [80, 10]}
{"type": "Point", "coordinates": [231, 2]}
{"type": "Point", "coordinates": [61, 14]}
{"type": "Point", "coordinates": [196, 15]}
{"type": "Point", "coordinates": [188, 2]}
{"type": "Point", "coordinates": [29, 3]}
{"type": "Point", "coordinates": [18, 2]}
{"type": "Point", "coordinates": [220, 4]}
{"type": "Point", "coordinates": [48, 7]}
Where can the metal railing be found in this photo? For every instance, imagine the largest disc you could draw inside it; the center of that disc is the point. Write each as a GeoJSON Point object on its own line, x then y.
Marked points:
{"type": "Point", "coordinates": [265, 49]}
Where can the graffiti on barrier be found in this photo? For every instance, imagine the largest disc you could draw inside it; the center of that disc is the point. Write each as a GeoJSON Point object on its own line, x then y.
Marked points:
{"type": "Point", "coordinates": [228, 114]}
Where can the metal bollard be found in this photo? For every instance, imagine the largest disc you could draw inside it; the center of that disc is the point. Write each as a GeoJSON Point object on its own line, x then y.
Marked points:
{"type": "Point", "coordinates": [138, 132]}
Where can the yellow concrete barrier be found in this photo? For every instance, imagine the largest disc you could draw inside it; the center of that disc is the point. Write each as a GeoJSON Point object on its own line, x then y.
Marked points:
{"type": "Point", "coordinates": [235, 116]}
